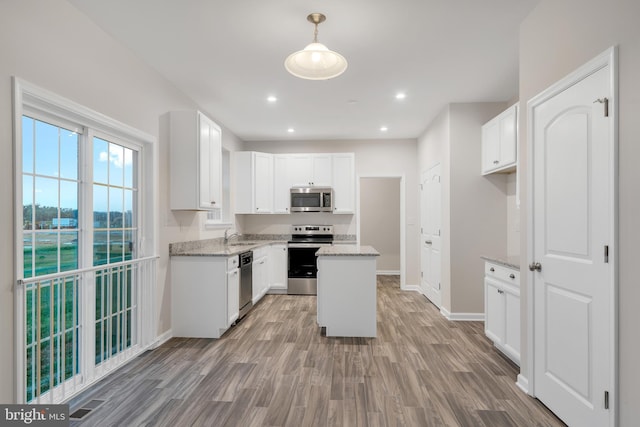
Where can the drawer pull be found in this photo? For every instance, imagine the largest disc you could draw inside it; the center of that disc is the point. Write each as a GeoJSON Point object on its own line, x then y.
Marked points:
{"type": "Point", "coordinates": [512, 276]}
{"type": "Point", "coordinates": [492, 269]}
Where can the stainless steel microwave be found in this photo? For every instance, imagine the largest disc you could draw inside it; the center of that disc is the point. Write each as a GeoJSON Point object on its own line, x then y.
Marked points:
{"type": "Point", "coordinates": [311, 199]}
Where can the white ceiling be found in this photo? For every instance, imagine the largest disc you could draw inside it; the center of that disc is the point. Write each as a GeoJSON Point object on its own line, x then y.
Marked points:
{"type": "Point", "coordinates": [228, 56]}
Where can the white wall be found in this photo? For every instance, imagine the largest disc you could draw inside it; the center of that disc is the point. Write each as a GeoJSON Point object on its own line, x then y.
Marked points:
{"type": "Point", "coordinates": [372, 158]}
{"type": "Point", "coordinates": [513, 218]}
{"type": "Point", "coordinates": [52, 45]}
{"type": "Point", "coordinates": [474, 208]}
{"type": "Point", "coordinates": [380, 219]}
{"type": "Point", "coordinates": [555, 39]}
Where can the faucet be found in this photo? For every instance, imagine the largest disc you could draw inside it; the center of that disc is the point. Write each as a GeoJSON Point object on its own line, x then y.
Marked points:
{"type": "Point", "coordinates": [229, 236]}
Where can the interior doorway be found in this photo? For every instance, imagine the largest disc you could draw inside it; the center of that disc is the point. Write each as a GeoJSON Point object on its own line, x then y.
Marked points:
{"type": "Point", "coordinates": [572, 229]}
{"type": "Point", "coordinates": [381, 219]}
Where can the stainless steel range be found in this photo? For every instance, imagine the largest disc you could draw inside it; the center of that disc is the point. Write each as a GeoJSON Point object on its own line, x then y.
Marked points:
{"type": "Point", "coordinates": [303, 263]}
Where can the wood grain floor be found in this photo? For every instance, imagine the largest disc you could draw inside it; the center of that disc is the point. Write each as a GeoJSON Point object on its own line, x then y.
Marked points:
{"type": "Point", "coordinates": [275, 369]}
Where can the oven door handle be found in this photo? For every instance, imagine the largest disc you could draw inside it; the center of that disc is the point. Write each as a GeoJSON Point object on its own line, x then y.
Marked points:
{"type": "Point", "coordinates": [307, 245]}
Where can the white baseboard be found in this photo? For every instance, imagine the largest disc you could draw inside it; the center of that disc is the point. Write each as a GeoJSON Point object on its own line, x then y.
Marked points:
{"type": "Point", "coordinates": [523, 383]}
{"type": "Point", "coordinates": [415, 288]}
{"type": "Point", "coordinates": [161, 339]}
{"type": "Point", "coordinates": [462, 317]}
{"type": "Point", "coordinates": [388, 272]}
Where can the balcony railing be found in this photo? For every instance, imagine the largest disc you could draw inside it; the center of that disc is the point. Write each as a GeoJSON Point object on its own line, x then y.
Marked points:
{"type": "Point", "coordinates": [80, 325]}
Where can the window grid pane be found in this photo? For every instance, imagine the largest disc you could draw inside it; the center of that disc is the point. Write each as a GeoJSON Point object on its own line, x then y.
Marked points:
{"type": "Point", "coordinates": [50, 189]}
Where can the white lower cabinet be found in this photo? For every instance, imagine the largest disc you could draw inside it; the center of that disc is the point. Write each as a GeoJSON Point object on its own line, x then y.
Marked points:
{"type": "Point", "coordinates": [346, 301]}
{"type": "Point", "coordinates": [204, 295]}
{"type": "Point", "coordinates": [278, 277]}
{"type": "Point", "coordinates": [260, 273]}
{"type": "Point", "coordinates": [502, 308]}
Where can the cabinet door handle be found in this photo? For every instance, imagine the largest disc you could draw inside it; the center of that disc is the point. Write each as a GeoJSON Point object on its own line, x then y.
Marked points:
{"type": "Point", "coordinates": [512, 276]}
{"type": "Point", "coordinates": [492, 269]}
{"type": "Point", "coordinates": [428, 242]}
{"type": "Point", "coordinates": [495, 162]}
{"type": "Point", "coordinates": [500, 291]}
{"type": "Point", "coordinates": [535, 266]}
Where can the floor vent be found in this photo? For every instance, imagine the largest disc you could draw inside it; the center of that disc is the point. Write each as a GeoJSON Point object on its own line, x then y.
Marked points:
{"type": "Point", "coordinates": [86, 409]}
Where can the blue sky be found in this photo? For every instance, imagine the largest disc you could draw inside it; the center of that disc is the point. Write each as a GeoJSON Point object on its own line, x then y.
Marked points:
{"type": "Point", "coordinates": [56, 156]}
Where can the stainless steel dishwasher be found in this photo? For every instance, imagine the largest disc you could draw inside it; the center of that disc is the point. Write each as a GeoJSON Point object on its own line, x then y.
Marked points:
{"type": "Point", "coordinates": [246, 284]}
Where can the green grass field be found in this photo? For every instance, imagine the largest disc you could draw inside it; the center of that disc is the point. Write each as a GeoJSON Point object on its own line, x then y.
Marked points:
{"type": "Point", "coordinates": [53, 304]}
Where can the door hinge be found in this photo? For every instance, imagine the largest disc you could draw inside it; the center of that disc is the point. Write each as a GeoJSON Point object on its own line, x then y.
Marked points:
{"type": "Point", "coordinates": [421, 187]}
{"type": "Point", "coordinates": [604, 101]}
{"type": "Point", "coordinates": [606, 253]}
{"type": "Point", "coordinates": [606, 400]}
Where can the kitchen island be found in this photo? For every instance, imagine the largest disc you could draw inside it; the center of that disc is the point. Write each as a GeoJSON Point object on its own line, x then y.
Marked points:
{"type": "Point", "coordinates": [347, 290]}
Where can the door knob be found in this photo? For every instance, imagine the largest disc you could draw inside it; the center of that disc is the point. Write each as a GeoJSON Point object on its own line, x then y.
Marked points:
{"type": "Point", "coordinates": [535, 266]}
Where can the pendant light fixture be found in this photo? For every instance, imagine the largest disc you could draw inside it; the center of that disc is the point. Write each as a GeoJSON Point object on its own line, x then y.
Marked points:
{"type": "Point", "coordinates": [315, 61]}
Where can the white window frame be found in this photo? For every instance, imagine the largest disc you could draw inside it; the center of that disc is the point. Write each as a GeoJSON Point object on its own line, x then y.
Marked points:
{"type": "Point", "coordinates": [29, 98]}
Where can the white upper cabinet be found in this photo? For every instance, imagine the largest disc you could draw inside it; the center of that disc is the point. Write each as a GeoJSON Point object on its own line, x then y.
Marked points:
{"type": "Point", "coordinates": [500, 141]}
{"type": "Point", "coordinates": [310, 170]}
{"type": "Point", "coordinates": [344, 198]}
{"type": "Point", "coordinates": [263, 181]}
{"type": "Point", "coordinates": [281, 183]}
{"type": "Point", "coordinates": [253, 182]}
{"type": "Point", "coordinates": [195, 156]}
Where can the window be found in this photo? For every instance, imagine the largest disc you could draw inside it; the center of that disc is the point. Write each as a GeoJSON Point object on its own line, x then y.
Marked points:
{"type": "Point", "coordinates": [50, 197]}
{"type": "Point", "coordinates": [50, 245]}
{"type": "Point", "coordinates": [114, 196]}
{"type": "Point", "coordinates": [222, 216]}
{"type": "Point", "coordinates": [85, 304]}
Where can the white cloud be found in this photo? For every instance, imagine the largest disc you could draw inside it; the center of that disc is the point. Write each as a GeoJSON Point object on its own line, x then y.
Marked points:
{"type": "Point", "coordinates": [117, 156]}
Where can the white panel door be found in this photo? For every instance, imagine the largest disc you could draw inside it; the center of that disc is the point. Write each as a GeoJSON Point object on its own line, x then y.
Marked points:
{"type": "Point", "coordinates": [572, 225]}
{"type": "Point", "coordinates": [431, 206]}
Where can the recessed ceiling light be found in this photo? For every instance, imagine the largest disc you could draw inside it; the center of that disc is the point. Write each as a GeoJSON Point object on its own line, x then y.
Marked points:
{"type": "Point", "coordinates": [401, 95]}
{"type": "Point", "coordinates": [291, 130]}
{"type": "Point", "coordinates": [384, 129]}
{"type": "Point", "coordinates": [272, 98]}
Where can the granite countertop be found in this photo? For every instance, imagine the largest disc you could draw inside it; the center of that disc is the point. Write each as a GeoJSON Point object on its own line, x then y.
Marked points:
{"type": "Point", "coordinates": [237, 245]}
{"type": "Point", "coordinates": [510, 261]}
{"type": "Point", "coordinates": [216, 247]}
{"type": "Point", "coordinates": [347, 250]}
